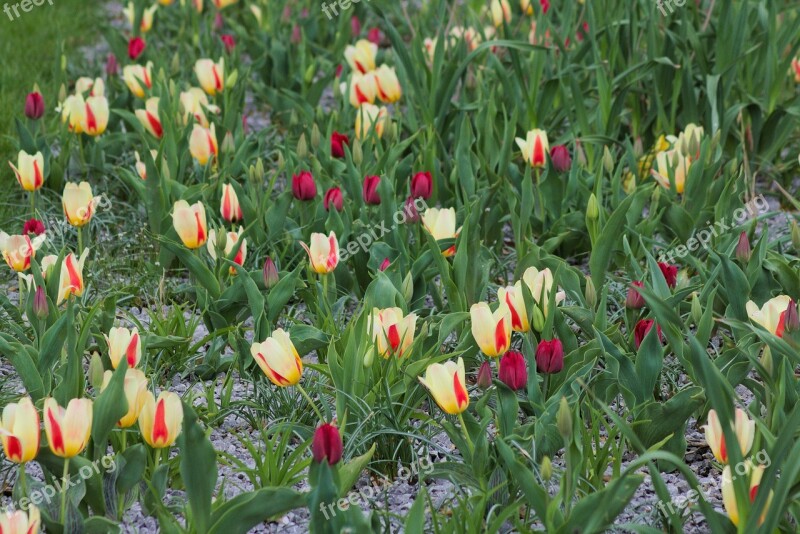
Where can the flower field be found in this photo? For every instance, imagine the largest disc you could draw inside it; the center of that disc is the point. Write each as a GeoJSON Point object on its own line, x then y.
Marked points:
{"type": "Point", "coordinates": [417, 266]}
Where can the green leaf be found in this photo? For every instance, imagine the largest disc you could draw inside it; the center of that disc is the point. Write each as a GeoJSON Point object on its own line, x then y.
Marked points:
{"type": "Point", "coordinates": [198, 469]}
{"type": "Point", "coordinates": [349, 472]}
{"type": "Point", "coordinates": [245, 511]}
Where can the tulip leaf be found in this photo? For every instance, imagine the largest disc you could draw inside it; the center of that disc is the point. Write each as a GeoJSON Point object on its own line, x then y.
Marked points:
{"type": "Point", "coordinates": [111, 406]}
{"type": "Point", "coordinates": [349, 472]}
{"type": "Point", "coordinates": [245, 511]}
{"type": "Point", "coordinates": [202, 274]}
{"type": "Point", "coordinates": [198, 463]}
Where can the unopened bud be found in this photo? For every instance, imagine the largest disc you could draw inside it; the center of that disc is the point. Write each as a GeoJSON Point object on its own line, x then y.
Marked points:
{"type": "Point", "coordinates": [590, 293]}
{"type": "Point", "coordinates": [259, 176]}
{"type": "Point", "coordinates": [40, 307]}
{"type": "Point", "coordinates": [546, 468]}
{"type": "Point", "coordinates": [766, 360]}
{"type": "Point", "coordinates": [302, 147]}
{"type": "Point", "coordinates": [96, 370]}
{"type": "Point", "coordinates": [228, 146]}
{"type": "Point", "coordinates": [538, 319]}
{"type": "Point", "coordinates": [270, 273]}
{"type": "Point", "coordinates": [484, 375]}
{"type": "Point", "coordinates": [795, 236]}
{"type": "Point", "coordinates": [608, 161]}
{"type": "Point", "coordinates": [369, 357]}
{"type": "Point", "coordinates": [592, 209]}
{"type": "Point", "coordinates": [408, 287]}
{"type": "Point", "coordinates": [230, 83]}
{"type": "Point", "coordinates": [358, 155]}
{"type": "Point", "coordinates": [743, 251]}
{"type": "Point", "coordinates": [564, 419]}
{"type": "Point", "coordinates": [697, 309]}
{"type": "Point", "coordinates": [315, 136]}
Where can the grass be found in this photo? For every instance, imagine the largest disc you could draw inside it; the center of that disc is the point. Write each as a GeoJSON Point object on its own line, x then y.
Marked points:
{"type": "Point", "coordinates": [43, 35]}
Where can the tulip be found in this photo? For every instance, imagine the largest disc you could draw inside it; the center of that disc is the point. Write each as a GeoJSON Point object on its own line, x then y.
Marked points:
{"type": "Point", "coordinates": [141, 167]}
{"type": "Point", "coordinates": [447, 386]}
{"type": "Point", "coordinates": [229, 41]}
{"type": "Point", "coordinates": [78, 203]}
{"type": "Point", "coordinates": [232, 239]}
{"type": "Point", "coordinates": [40, 306]}
{"type": "Point", "coordinates": [138, 78]}
{"type": "Point", "coordinates": [136, 48]}
{"type": "Point", "coordinates": [371, 118]}
{"type": "Point", "coordinates": [29, 170]}
{"type": "Point", "coordinates": [410, 213]}
{"type": "Point", "coordinates": [48, 262]}
{"type": "Point", "coordinates": [19, 431]}
{"type": "Point", "coordinates": [363, 89]}
{"type": "Point", "coordinates": [135, 388]}
{"type": "Point", "coordinates": [559, 155]}
{"type": "Point", "coordinates": [67, 430]}
{"type": "Point", "coordinates": [545, 5]}
{"type": "Point", "coordinates": [642, 328]}
{"type": "Point", "coordinates": [484, 379]}
{"type": "Point", "coordinates": [384, 264]}
{"type": "Point", "coordinates": [375, 36]}
{"type": "Point", "coordinates": [689, 140]}
{"type": "Point", "coordinates": [470, 37]}
{"type": "Point", "coordinates": [190, 223]}
{"type": "Point", "coordinates": [513, 370]}
{"type": "Point", "coordinates": [430, 48]}
{"type": "Point", "coordinates": [500, 11]}
{"type": "Point", "coordinates": [34, 105]}
{"type": "Point", "coordinates": [361, 57]}
{"type": "Point", "coordinates": [147, 16]}
{"type": "Point", "coordinates": [327, 444]}
{"type": "Point", "coordinates": [71, 280]}
{"type": "Point", "coordinates": [670, 273]}
{"type": "Point", "coordinates": [534, 148]}
{"type": "Point", "coordinates": [211, 75]}
{"type": "Point", "coordinates": [338, 141]}
{"type": "Point", "coordinates": [754, 474]}
{"type": "Point", "coordinates": [441, 224]}
{"type": "Point", "coordinates": [514, 298]}
{"type": "Point", "coordinates": [303, 186]}
{"type": "Point", "coordinates": [33, 226]}
{"type": "Point", "coordinates": [674, 163]}
{"type": "Point", "coordinates": [18, 250]}
{"type": "Point", "coordinates": [222, 4]}
{"type": "Point", "coordinates": [392, 333]}
{"type": "Point", "coordinates": [550, 356]}
{"type": "Point", "coordinates": [73, 112]}
{"type": "Point", "coordinates": [526, 7]}
{"type": "Point", "coordinates": [19, 522]}
{"type": "Point", "coordinates": [771, 315]}
{"type": "Point", "coordinates": [796, 69]}
{"type": "Point", "coordinates": [95, 118]}
{"type": "Point", "coordinates": [150, 119]}
{"type": "Point", "coordinates": [270, 273]}
{"type": "Point", "coordinates": [229, 207]}
{"type": "Point", "coordinates": [195, 103]}
{"type": "Point", "coordinates": [492, 331]}
{"type": "Point", "coordinates": [124, 343]}
{"type": "Point", "coordinates": [540, 284]}
{"type": "Point", "coordinates": [203, 144]}
{"type": "Point", "coordinates": [387, 85]}
{"type": "Point", "coordinates": [370, 190]}
{"type": "Point", "coordinates": [743, 250]}
{"type": "Point", "coordinates": [355, 26]}
{"type": "Point", "coordinates": [743, 427]}
{"type": "Point", "coordinates": [634, 299]}
{"type": "Point", "coordinates": [112, 66]}
{"type": "Point", "coordinates": [323, 254]}
{"type": "Point", "coordinates": [422, 185]}
{"type": "Point", "coordinates": [333, 199]}
{"type": "Point", "coordinates": [278, 358]}
{"type": "Point", "coordinates": [160, 420]}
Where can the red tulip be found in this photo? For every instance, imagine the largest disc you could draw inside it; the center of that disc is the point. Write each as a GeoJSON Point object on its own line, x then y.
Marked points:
{"type": "Point", "coordinates": [550, 356]}
{"type": "Point", "coordinates": [374, 36]}
{"type": "Point", "coordinates": [743, 250]}
{"type": "Point", "coordinates": [112, 67]}
{"type": "Point", "coordinates": [338, 140]}
{"type": "Point", "coordinates": [40, 307]}
{"type": "Point", "coordinates": [229, 41]}
{"type": "Point", "coordinates": [642, 328]}
{"type": "Point", "coordinates": [560, 157]}
{"type": "Point", "coordinates": [303, 186]}
{"type": "Point", "coordinates": [136, 47]}
{"type": "Point", "coordinates": [270, 273]}
{"type": "Point", "coordinates": [485, 375]}
{"type": "Point", "coordinates": [545, 6]}
{"type": "Point", "coordinates": [384, 264]}
{"type": "Point", "coordinates": [634, 300]}
{"type": "Point", "coordinates": [333, 196]}
{"type": "Point", "coordinates": [297, 35]}
{"type": "Point", "coordinates": [339, 69]}
{"type": "Point", "coordinates": [410, 210]}
{"type": "Point", "coordinates": [422, 185]}
{"type": "Point", "coordinates": [370, 190]}
{"type": "Point", "coordinates": [33, 226]}
{"type": "Point", "coordinates": [34, 105]}
{"type": "Point", "coordinates": [327, 444]}
{"type": "Point", "coordinates": [355, 26]}
{"type": "Point", "coordinates": [513, 370]}
{"type": "Point", "coordinates": [670, 273]}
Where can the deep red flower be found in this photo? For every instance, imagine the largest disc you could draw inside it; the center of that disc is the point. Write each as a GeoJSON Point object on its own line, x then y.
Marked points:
{"type": "Point", "coordinates": [33, 226]}
{"type": "Point", "coordinates": [355, 26]}
{"type": "Point", "coordinates": [136, 47]}
{"type": "Point", "coordinates": [484, 379]}
{"type": "Point", "coordinates": [642, 328]}
{"type": "Point", "coordinates": [634, 299]}
{"type": "Point", "coordinates": [327, 444]}
{"type": "Point", "coordinates": [410, 210]}
{"type": "Point", "coordinates": [338, 140]}
{"type": "Point", "coordinates": [333, 196]}
{"type": "Point", "coordinates": [513, 370]}
{"type": "Point", "coordinates": [560, 157]}
{"type": "Point", "coordinates": [422, 185]}
{"type": "Point", "coordinates": [229, 41]}
{"type": "Point", "coordinates": [375, 36]}
{"type": "Point", "coordinates": [34, 105]}
{"type": "Point", "coordinates": [112, 67]}
{"type": "Point", "coordinates": [550, 356]}
{"type": "Point", "coordinates": [545, 6]}
{"type": "Point", "coordinates": [670, 273]}
{"type": "Point", "coordinates": [384, 264]}
{"type": "Point", "coordinates": [303, 186]}
{"type": "Point", "coordinates": [370, 190]}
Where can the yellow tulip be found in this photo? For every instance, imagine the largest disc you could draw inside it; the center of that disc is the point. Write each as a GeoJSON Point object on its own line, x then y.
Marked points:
{"type": "Point", "coordinates": [323, 254]}
{"type": "Point", "coordinates": [469, 35]}
{"type": "Point", "coordinates": [195, 103]}
{"type": "Point", "coordinates": [18, 250]}
{"type": "Point", "coordinates": [540, 284]}
{"type": "Point", "coordinates": [135, 387]}
{"type": "Point", "coordinates": [387, 84]}
{"type": "Point", "coordinates": [20, 432]}
{"type": "Point", "coordinates": [160, 420]}
{"type": "Point", "coordinates": [771, 313]}
{"type": "Point", "coordinates": [688, 141]}
{"type": "Point", "coordinates": [278, 358]}
{"type": "Point", "coordinates": [147, 16]}
{"type": "Point", "coordinates": [150, 119]}
{"type": "Point", "coordinates": [73, 112]}
{"type": "Point", "coordinates": [203, 144]}
{"type": "Point", "coordinates": [526, 6]}
{"type": "Point", "coordinates": [222, 4]}
{"type": "Point", "coordinates": [67, 429]}
{"type": "Point", "coordinates": [363, 88]}
{"type": "Point", "coordinates": [754, 474]}
{"type": "Point", "coordinates": [535, 148]}
{"type": "Point", "coordinates": [671, 163]}
{"type": "Point", "coordinates": [124, 343]}
{"type": "Point", "coordinates": [441, 224]}
{"type": "Point", "coordinates": [71, 280]}
{"type": "Point", "coordinates": [371, 118]}
{"type": "Point", "coordinates": [515, 300]}
{"type": "Point", "coordinates": [232, 238]}
{"type": "Point", "coordinates": [78, 203]}
{"type": "Point", "coordinates": [138, 78]}
{"type": "Point", "coordinates": [447, 386]}
{"type": "Point", "coordinates": [29, 170]}
{"type": "Point", "coordinates": [210, 75]}
{"type": "Point", "coordinates": [190, 223]}
{"type": "Point", "coordinates": [229, 208]}
{"type": "Point", "coordinates": [500, 11]}
{"type": "Point", "coordinates": [743, 427]}
{"type": "Point", "coordinates": [19, 522]}
{"type": "Point", "coordinates": [361, 57]}
{"type": "Point", "coordinates": [392, 333]}
{"type": "Point", "coordinates": [94, 120]}
{"type": "Point", "coordinates": [492, 331]}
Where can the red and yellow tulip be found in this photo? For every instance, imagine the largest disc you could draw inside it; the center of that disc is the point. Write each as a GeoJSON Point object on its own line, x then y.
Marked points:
{"type": "Point", "coordinates": [203, 144]}
{"type": "Point", "coordinates": [79, 203]}
{"type": "Point", "coordinates": [18, 250]}
{"type": "Point", "coordinates": [190, 223]}
{"type": "Point", "coordinates": [323, 254]}
{"type": "Point", "coordinates": [149, 117]}
{"type": "Point", "coordinates": [124, 343]}
{"type": "Point", "coordinates": [540, 284]}
{"type": "Point", "coordinates": [160, 419]}
{"type": "Point", "coordinates": [194, 103]}
{"type": "Point", "coordinates": [68, 429]}
{"type": "Point", "coordinates": [441, 224]}
{"type": "Point", "coordinates": [515, 300]}
{"type": "Point", "coordinates": [20, 431]}
{"type": "Point", "coordinates": [71, 280]}
{"type": "Point", "coordinates": [29, 170]}
{"type": "Point", "coordinates": [771, 314]}
{"type": "Point", "coordinates": [135, 387]}
{"type": "Point", "coordinates": [371, 118]}
{"type": "Point", "coordinates": [20, 522]}
{"type": "Point", "coordinates": [754, 473]}
{"type": "Point", "coordinates": [229, 208]}
{"type": "Point", "coordinates": [138, 78]}
{"type": "Point", "coordinates": [535, 148]}
{"type": "Point", "coordinates": [744, 429]}
{"type": "Point", "coordinates": [210, 75]}
{"type": "Point", "coordinates": [363, 88]}
{"type": "Point", "coordinates": [231, 240]}
{"type": "Point", "coordinates": [278, 358]}
{"type": "Point", "coordinates": [361, 56]}
{"type": "Point", "coordinates": [492, 331]}
{"type": "Point", "coordinates": [392, 332]}
{"type": "Point", "coordinates": [448, 388]}
{"type": "Point", "coordinates": [387, 84]}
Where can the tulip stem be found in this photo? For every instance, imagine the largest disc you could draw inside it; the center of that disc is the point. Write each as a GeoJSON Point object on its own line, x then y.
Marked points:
{"type": "Point", "coordinates": [124, 440]}
{"type": "Point", "coordinates": [22, 481]}
{"type": "Point", "coordinates": [33, 204]}
{"type": "Point", "coordinates": [314, 406]}
{"type": "Point", "coordinates": [21, 300]}
{"type": "Point", "coordinates": [466, 433]}
{"type": "Point", "coordinates": [64, 486]}
{"type": "Point", "coordinates": [80, 240]}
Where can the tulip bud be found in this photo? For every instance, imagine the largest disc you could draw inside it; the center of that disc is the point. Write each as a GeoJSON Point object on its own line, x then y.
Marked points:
{"type": "Point", "coordinates": [338, 141]}
{"type": "Point", "coordinates": [40, 308]}
{"type": "Point", "coordinates": [634, 299]}
{"type": "Point", "coordinates": [766, 360]}
{"type": "Point", "coordinates": [355, 26]}
{"type": "Point", "coordinates": [136, 48]}
{"type": "Point", "coordinates": [642, 328]}
{"type": "Point", "coordinates": [564, 419]}
{"type": "Point", "coordinates": [333, 199]}
{"type": "Point", "coordinates": [384, 264]}
{"type": "Point", "coordinates": [270, 273]}
{"type": "Point", "coordinates": [374, 36]}
{"type": "Point", "coordinates": [795, 236]}
{"type": "Point", "coordinates": [259, 174]}
{"type": "Point", "coordinates": [408, 287]}
{"type": "Point", "coordinates": [697, 309]}
{"type": "Point", "coordinates": [592, 209]}
{"type": "Point", "coordinates": [369, 358]}
{"type": "Point", "coordinates": [670, 273]}
{"type": "Point", "coordinates": [546, 468]}
{"type": "Point", "coordinates": [561, 159]}
{"type": "Point", "coordinates": [590, 293]}
{"type": "Point", "coordinates": [791, 321]}
{"type": "Point", "coordinates": [422, 185]}
{"type": "Point", "coordinates": [96, 370]}
{"type": "Point", "coordinates": [229, 41]}
{"type": "Point", "coordinates": [315, 136]}
{"type": "Point", "coordinates": [228, 145]}
{"type": "Point", "coordinates": [743, 251]}
{"type": "Point", "coordinates": [608, 161]}
{"type": "Point", "coordinates": [484, 379]}
{"type": "Point", "coordinates": [370, 190]}
{"type": "Point", "coordinates": [550, 356]}
{"type": "Point", "coordinates": [513, 370]}
{"type": "Point", "coordinates": [538, 319]}
{"type": "Point", "coordinates": [112, 67]}
{"type": "Point", "coordinates": [358, 155]}
{"type": "Point", "coordinates": [303, 186]}
{"type": "Point", "coordinates": [327, 444]}
{"type": "Point", "coordinates": [302, 147]}
{"type": "Point", "coordinates": [232, 79]}
{"type": "Point", "coordinates": [62, 93]}
{"type": "Point", "coordinates": [34, 105]}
